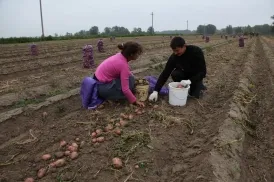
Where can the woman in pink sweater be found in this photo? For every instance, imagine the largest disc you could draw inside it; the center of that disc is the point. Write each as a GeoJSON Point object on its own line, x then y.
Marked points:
{"type": "Point", "coordinates": [117, 81]}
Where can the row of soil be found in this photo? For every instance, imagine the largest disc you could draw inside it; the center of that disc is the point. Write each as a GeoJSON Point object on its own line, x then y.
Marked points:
{"type": "Point", "coordinates": [258, 149]}
{"type": "Point", "coordinates": [22, 69]}
{"type": "Point", "coordinates": [55, 47]}
{"type": "Point", "coordinates": [12, 65]}
{"type": "Point", "coordinates": [39, 86]}
{"type": "Point", "coordinates": [167, 143]}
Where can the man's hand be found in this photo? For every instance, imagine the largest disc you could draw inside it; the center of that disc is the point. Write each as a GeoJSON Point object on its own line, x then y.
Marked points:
{"type": "Point", "coordinates": [185, 82]}
{"type": "Point", "coordinates": [153, 96]}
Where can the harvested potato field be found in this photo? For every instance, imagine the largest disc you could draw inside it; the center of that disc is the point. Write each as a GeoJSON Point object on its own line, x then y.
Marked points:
{"type": "Point", "coordinates": [225, 136]}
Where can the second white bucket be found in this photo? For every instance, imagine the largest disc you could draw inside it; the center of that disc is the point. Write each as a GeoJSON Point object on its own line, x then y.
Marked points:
{"type": "Point", "coordinates": [177, 96]}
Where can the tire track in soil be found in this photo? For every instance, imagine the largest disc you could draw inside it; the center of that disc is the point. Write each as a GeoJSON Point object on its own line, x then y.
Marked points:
{"type": "Point", "coordinates": [64, 128]}
{"type": "Point", "coordinates": [258, 154]}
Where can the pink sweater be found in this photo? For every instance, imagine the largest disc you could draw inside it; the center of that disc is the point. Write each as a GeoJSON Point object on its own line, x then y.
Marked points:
{"type": "Point", "coordinates": [116, 67]}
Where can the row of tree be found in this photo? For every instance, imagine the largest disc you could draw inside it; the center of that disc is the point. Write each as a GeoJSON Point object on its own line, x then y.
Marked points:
{"type": "Point", "coordinates": [122, 31]}
{"type": "Point", "coordinates": [261, 29]}
{"type": "Point", "coordinates": [206, 29]}
{"type": "Point", "coordinates": [113, 31]}
{"type": "Point", "coordinates": [211, 29]}
{"type": "Point", "coordinates": [93, 32]}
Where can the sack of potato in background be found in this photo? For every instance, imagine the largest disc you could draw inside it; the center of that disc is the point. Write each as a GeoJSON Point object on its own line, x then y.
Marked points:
{"type": "Point", "coordinates": [88, 60]}
{"type": "Point", "coordinates": [34, 50]}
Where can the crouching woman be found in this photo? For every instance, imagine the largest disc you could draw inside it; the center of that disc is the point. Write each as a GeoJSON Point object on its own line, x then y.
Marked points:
{"type": "Point", "coordinates": [114, 76]}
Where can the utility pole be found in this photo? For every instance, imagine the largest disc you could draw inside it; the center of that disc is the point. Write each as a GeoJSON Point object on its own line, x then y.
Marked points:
{"type": "Point", "coordinates": [152, 23]}
{"type": "Point", "coordinates": [42, 19]}
{"type": "Point", "coordinates": [204, 29]}
{"type": "Point", "coordinates": [187, 25]}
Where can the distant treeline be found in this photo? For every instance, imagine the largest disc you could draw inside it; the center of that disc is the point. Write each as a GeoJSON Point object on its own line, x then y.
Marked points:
{"type": "Point", "coordinates": [13, 40]}
{"type": "Point", "coordinates": [118, 31]}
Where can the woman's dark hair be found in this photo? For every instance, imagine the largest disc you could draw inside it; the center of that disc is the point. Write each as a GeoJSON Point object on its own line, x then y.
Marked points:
{"type": "Point", "coordinates": [130, 48]}
{"type": "Point", "coordinates": [177, 42]}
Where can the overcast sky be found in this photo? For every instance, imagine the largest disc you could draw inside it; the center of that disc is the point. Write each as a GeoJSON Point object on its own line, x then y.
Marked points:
{"type": "Point", "coordinates": [22, 17]}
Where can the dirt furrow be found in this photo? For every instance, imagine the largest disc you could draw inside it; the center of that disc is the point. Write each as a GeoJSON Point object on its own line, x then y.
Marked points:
{"type": "Point", "coordinates": [43, 77]}
{"type": "Point", "coordinates": [175, 153]}
{"type": "Point", "coordinates": [54, 52]}
{"type": "Point", "coordinates": [8, 51]}
{"type": "Point", "coordinates": [20, 77]}
{"type": "Point", "coordinates": [258, 149]}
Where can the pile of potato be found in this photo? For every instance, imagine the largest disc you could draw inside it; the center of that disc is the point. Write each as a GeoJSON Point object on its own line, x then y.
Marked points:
{"type": "Point", "coordinates": [141, 81]}
{"type": "Point", "coordinates": [69, 151]}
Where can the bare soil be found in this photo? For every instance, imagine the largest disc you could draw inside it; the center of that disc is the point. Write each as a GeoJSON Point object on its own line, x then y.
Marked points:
{"type": "Point", "coordinates": [165, 144]}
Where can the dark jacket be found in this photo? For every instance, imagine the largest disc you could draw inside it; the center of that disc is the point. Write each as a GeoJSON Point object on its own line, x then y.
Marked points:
{"type": "Point", "coordinates": [192, 62]}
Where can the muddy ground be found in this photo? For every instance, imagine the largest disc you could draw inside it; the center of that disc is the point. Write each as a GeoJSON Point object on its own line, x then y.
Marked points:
{"type": "Point", "coordinates": [164, 143]}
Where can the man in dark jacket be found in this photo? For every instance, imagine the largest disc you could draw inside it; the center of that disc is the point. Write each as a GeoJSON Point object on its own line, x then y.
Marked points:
{"type": "Point", "coordinates": [186, 65]}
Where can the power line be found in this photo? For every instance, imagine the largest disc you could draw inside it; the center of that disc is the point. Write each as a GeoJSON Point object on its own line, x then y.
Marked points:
{"type": "Point", "coordinates": [152, 29]}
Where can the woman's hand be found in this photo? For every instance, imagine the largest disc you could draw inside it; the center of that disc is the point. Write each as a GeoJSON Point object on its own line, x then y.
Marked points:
{"type": "Point", "coordinates": [140, 104]}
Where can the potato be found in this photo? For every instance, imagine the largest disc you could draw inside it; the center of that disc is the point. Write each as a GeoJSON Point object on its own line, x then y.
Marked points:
{"type": "Point", "coordinates": [124, 116]}
{"type": "Point", "coordinates": [52, 164]}
{"type": "Point", "coordinates": [63, 143]}
{"type": "Point", "coordinates": [46, 157]}
{"type": "Point", "coordinates": [99, 132]}
{"type": "Point", "coordinates": [94, 140]}
{"type": "Point", "coordinates": [29, 180]}
{"type": "Point", "coordinates": [74, 145]}
{"type": "Point", "coordinates": [100, 139]}
{"type": "Point", "coordinates": [101, 106]}
{"type": "Point", "coordinates": [155, 106]}
{"type": "Point", "coordinates": [41, 173]}
{"type": "Point", "coordinates": [141, 81]}
{"type": "Point", "coordinates": [118, 131]}
{"type": "Point", "coordinates": [45, 114]}
{"type": "Point", "coordinates": [117, 163]}
{"type": "Point", "coordinates": [59, 154]}
{"type": "Point", "coordinates": [109, 127]}
{"type": "Point", "coordinates": [93, 134]}
{"type": "Point", "coordinates": [123, 123]}
{"type": "Point", "coordinates": [82, 144]}
{"type": "Point", "coordinates": [130, 117]}
{"type": "Point", "coordinates": [73, 155]}
{"type": "Point", "coordinates": [67, 153]}
{"type": "Point", "coordinates": [77, 139]}
{"type": "Point", "coordinates": [60, 162]}
{"type": "Point", "coordinates": [72, 148]}
{"type": "Point", "coordinates": [136, 166]}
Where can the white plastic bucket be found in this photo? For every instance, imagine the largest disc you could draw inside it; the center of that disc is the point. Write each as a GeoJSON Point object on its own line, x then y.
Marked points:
{"type": "Point", "coordinates": [177, 96]}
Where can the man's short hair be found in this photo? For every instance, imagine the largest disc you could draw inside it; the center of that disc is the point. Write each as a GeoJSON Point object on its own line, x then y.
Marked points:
{"type": "Point", "coordinates": [177, 42]}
